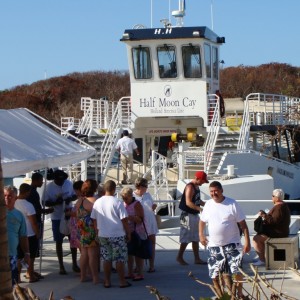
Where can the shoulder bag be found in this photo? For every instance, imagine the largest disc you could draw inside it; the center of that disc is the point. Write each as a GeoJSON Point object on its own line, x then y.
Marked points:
{"type": "Point", "coordinates": [259, 225]}
{"type": "Point", "coordinates": [143, 247]}
{"type": "Point", "coordinates": [64, 225]}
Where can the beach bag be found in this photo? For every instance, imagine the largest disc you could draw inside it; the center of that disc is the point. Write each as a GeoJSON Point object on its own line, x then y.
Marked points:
{"type": "Point", "coordinates": [64, 225]}
{"type": "Point", "coordinates": [259, 225]}
{"type": "Point", "coordinates": [139, 247]}
{"type": "Point", "coordinates": [144, 249]}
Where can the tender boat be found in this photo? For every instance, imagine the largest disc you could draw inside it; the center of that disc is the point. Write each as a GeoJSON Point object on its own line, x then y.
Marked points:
{"type": "Point", "coordinates": [176, 105]}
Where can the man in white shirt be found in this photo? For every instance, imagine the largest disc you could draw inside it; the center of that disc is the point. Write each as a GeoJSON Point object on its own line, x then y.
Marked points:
{"type": "Point", "coordinates": [110, 220]}
{"type": "Point", "coordinates": [59, 194]}
{"type": "Point", "coordinates": [224, 245]}
{"type": "Point", "coordinates": [126, 146]}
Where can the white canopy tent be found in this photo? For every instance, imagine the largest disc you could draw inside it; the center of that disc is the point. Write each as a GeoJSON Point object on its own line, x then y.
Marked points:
{"type": "Point", "coordinates": [27, 144]}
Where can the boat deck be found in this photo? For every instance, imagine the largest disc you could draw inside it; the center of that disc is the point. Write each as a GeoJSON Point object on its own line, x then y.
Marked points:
{"type": "Point", "coordinates": [170, 278]}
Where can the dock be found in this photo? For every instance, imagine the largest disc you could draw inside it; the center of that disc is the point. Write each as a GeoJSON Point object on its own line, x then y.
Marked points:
{"type": "Point", "coordinates": [170, 279]}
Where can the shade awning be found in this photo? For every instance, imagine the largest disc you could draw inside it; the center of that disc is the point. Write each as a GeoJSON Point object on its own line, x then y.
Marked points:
{"type": "Point", "coordinates": [27, 144]}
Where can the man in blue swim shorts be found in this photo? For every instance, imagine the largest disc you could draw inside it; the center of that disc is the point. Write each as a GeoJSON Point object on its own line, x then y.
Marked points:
{"type": "Point", "coordinates": [223, 214]}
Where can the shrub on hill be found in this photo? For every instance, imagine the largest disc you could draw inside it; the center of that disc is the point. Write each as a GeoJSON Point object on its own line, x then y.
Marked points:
{"type": "Point", "coordinates": [60, 96]}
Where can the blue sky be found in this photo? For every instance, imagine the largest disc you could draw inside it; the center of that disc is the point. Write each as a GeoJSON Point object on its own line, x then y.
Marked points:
{"type": "Point", "coordinates": [47, 38]}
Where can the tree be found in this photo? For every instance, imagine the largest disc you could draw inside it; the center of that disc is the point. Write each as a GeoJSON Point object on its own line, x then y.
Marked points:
{"type": "Point", "coordinates": [5, 273]}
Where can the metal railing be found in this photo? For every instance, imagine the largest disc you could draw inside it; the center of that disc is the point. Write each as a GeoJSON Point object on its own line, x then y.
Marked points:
{"type": "Point", "coordinates": [66, 122]}
{"type": "Point", "coordinates": [245, 128]}
{"type": "Point", "coordinates": [213, 132]}
{"type": "Point", "coordinates": [96, 115]}
{"type": "Point", "coordinates": [119, 120]}
{"type": "Point", "coordinates": [267, 109]}
{"type": "Point", "coordinates": [158, 172]}
{"type": "Point", "coordinates": [274, 109]}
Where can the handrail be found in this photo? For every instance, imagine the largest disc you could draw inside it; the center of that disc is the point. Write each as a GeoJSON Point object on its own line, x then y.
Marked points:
{"type": "Point", "coordinates": [86, 121]}
{"type": "Point", "coordinates": [63, 132]}
{"type": "Point", "coordinates": [158, 171]}
{"type": "Point", "coordinates": [276, 109]}
{"type": "Point", "coordinates": [245, 128]}
{"type": "Point", "coordinates": [213, 132]}
{"type": "Point", "coordinates": [120, 119]}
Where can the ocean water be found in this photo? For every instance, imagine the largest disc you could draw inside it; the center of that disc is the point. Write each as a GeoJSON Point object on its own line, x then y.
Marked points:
{"type": "Point", "coordinates": [7, 181]}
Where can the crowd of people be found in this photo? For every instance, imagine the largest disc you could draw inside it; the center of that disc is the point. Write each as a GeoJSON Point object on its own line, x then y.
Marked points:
{"type": "Point", "coordinates": [102, 228]}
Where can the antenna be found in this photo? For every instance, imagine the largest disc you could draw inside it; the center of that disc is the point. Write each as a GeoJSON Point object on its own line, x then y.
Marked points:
{"type": "Point", "coordinates": [151, 13]}
{"type": "Point", "coordinates": [169, 9]}
{"type": "Point", "coordinates": [212, 15]}
{"type": "Point", "coordinates": [180, 13]}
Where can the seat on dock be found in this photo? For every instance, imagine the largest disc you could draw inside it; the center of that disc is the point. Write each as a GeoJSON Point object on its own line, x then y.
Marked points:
{"type": "Point", "coordinates": [281, 252]}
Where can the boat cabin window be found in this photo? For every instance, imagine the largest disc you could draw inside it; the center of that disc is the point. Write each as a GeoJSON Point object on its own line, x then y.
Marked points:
{"type": "Point", "coordinates": [166, 57]}
{"type": "Point", "coordinates": [141, 62]}
{"type": "Point", "coordinates": [207, 57]}
{"type": "Point", "coordinates": [191, 61]}
{"type": "Point", "coordinates": [215, 63]}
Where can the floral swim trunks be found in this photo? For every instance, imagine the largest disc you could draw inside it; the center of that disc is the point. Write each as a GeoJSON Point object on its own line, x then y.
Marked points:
{"type": "Point", "coordinates": [113, 249]}
{"type": "Point", "coordinates": [224, 259]}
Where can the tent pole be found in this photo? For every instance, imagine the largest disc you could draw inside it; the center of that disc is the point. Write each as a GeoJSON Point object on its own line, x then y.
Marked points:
{"type": "Point", "coordinates": [43, 222]}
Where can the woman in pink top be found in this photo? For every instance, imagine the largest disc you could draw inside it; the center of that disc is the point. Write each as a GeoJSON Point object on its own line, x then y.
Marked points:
{"type": "Point", "coordinates": [135, 221]}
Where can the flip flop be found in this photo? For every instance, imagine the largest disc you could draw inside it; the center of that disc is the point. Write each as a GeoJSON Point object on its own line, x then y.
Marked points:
{"type": "Point", "coordinates": [76, 269]}
{"type": "Point", "coordinates": [107, 286]}
{"type": "Point", "coordinates": [62, 272]}
{"type": "Point", "coordinates": [38, 275]}
{"type": "Point", "coordinates": [128, 284]}
{"type": "Point", "coordinates": [138, 278]}
{"type": "Point", "coordinates": [33, 280]}
{"type": "Point", "coordinates": [151, 270]}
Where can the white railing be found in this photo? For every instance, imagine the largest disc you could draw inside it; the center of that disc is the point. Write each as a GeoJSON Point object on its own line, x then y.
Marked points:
{"type": "Point", "coordinates": [120, 119]}
{"type": "Point", "coordinates": [95, 115]}
{"type": "Point", "coordinates": [66, 122]}
{"type": "Point", "coordinates": [213, 132]}
{"type": "Point", "coordinates": [267, 109]}
{"type": "Point", "coordinates": [174, 211]}
{"type": "Point", "coordinates": [245, 128]}
{"type": "Point", "coordinates": [272, 109]}
{"type": "Point", "coordinates": [158, 172]}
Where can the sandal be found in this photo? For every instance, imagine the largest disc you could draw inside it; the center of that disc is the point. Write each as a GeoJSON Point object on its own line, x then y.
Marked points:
{"type": "Point", "coordinates": [128, 284]}
{"type": "Point", "coordinates": [38, 275]}
{"type": "Point", "coordinates": [151, 270]}
{"type": "Point", "coordinates": [63, 272]}
{"type": "Point", "coordinates": [34, 279]}
{"type": "Point", "coordinates": [138, 278]}
{"type": "Point", "coordinates": [76, 269]}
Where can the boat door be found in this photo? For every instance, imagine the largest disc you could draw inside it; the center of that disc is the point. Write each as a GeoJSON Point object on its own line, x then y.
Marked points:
{"type": "Point", "coordinates": [211, 58]}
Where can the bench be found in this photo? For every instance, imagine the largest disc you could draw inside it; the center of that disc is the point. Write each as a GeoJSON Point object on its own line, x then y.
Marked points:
{"type": "Point", "coordinates": [281, 252]}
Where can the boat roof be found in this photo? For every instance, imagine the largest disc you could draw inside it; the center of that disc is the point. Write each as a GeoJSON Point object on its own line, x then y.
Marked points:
{"type": "Point", "coordinates": [172, 33]}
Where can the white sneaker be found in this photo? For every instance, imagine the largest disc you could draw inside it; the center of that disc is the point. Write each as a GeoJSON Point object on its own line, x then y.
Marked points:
{"type": "Point", "coordinates": [259, 263]}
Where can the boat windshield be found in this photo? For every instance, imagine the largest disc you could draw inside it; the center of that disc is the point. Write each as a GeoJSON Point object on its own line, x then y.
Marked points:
{"type": "Point", "coordinates": [166, 56]}
{"type": "Point", "coordinates": [141, 63]}
{"type": "Point", "coordinates": [191, 61]}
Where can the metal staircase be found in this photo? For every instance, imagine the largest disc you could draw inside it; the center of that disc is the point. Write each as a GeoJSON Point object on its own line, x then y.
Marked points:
{"type": "Point", "coordinates": [275, 111]}
{"type": "Point", "coordinates": [121, 119]}
{"type": "Point", "coordinates": [213, 131]}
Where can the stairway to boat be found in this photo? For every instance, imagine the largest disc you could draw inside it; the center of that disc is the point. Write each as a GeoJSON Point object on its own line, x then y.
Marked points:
{"type": "Point", "coordinates": [226, 141]}
{"type": "Point", "coordinates": [93, 170]}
